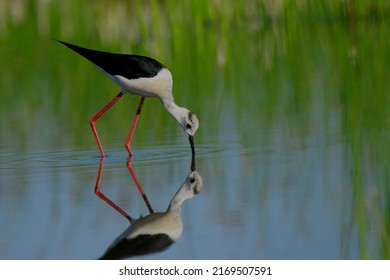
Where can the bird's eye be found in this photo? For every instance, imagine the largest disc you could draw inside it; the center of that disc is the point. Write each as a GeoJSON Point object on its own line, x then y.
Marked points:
{"type": "Point", "coordinates": [192, 180]}
{"type": "Point", "coordinates": [188, 126]}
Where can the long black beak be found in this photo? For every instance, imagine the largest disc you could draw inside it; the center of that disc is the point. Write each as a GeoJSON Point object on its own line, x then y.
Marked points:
{"type": "Point", "coordinates": [193, 166]}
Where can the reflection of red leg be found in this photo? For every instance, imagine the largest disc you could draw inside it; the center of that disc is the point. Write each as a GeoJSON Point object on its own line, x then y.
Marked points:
{"type": "Point", "coordinates": [141, 190]}
{"type": "Point", "coordinates": [130, 136]}
{"type": "Point", "coordinates": [107, 200]}
{"type": "Point", "coordinates": [98, 115]}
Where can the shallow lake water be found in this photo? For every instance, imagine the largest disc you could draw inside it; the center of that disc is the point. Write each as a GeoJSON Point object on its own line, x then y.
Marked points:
{"type": "Point", "coordinates": [293, 144]}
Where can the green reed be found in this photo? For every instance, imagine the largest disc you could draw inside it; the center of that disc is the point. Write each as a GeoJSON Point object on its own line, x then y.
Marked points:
{"type": "Point", "coordinates": [276, 65]}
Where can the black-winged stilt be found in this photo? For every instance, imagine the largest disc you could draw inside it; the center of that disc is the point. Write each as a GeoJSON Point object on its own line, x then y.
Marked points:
{"type": "Point", "coordinates": [156, 231]}
{"type": "Point", "coordinates": [139, 75]}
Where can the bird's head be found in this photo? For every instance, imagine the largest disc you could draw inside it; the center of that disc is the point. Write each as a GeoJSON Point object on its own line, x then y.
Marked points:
{"type": "Point", "coordinates": [189, 122]}
{"type": "Point", "coordinates": [194, 183]}
{"type": "Point", "coordinates": [187, 119]}
{"type": "Point", "coordinates": [190, 188]}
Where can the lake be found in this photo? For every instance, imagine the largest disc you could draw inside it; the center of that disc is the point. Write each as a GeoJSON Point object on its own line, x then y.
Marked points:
{"type": "Point", "coordinates": [293, 144]}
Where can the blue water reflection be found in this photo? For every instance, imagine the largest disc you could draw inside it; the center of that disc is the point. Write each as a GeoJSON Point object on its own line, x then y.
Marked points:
{"type": "Point", "coordinates": [155, 232]}
{"type": "Point", "coordinates": [265, 202]}
{"type": "Point", "coordinates": [293, 142]}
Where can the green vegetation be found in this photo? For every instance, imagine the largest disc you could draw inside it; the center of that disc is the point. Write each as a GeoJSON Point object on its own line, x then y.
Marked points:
{"type": "Point", "coordinates": [301, 67]}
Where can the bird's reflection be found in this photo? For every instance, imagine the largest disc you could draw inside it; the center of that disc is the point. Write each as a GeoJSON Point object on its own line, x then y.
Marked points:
{"type": "Point", "coordinates": [156, 231]}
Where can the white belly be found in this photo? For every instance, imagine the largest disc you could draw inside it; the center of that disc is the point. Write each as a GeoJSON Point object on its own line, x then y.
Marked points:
{"type": "Point", "coordinates": [157, 86]}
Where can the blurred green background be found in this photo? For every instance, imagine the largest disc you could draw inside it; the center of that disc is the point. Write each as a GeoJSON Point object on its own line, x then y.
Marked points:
{"type": "Point", "coordinates": [304, 84]}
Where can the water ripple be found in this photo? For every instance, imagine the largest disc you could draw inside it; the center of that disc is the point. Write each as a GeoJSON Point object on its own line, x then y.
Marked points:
{"type": "Point", "coordinates": [57, 159]}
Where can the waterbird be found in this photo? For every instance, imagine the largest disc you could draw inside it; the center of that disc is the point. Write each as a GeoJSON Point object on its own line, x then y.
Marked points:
{"type": "Point", "coordinates": [156, 231]}
{"type": "Point", "coordinates": [142, 76]}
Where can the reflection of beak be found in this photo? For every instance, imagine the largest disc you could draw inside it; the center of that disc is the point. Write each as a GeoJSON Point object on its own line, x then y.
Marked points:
{"type": "Point", "coordinates": [193, 166]}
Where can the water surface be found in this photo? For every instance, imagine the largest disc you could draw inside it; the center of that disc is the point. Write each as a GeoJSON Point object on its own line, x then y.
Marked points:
{"type": "Point", "coordinates": [292, 145]}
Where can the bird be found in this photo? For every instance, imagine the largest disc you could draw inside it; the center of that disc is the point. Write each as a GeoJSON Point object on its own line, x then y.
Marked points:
{"type": "Point", "coordinates": [142, 76]}
{"type": "Point", "coordinates": [156, 231]}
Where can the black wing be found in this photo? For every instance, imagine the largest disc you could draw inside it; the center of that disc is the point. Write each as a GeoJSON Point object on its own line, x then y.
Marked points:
{"type": "Point", "coordinates": [126, 65]}
{"type": "Point", "coordinates": [141, 245]}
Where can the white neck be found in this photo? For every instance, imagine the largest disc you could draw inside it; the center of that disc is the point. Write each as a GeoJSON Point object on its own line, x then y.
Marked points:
{"type": "Point", "coordinates": [175, 111]}
{"type": "Point", "coordinates": [181, 195]}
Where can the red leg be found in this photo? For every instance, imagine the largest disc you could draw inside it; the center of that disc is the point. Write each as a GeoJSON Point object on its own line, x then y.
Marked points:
{"type": "Point", "coordinates": [97, 116]}
{"type": "Point", "coordinates": [141, 190]}
{"type": "Point", "coordinates": [107, 200]}
{"type": "Point", "coordinates": [130, 136]}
